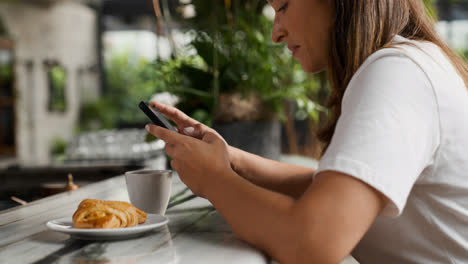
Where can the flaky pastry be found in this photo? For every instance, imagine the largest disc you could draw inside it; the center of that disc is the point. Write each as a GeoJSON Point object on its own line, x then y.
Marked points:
{"type": "Point", "coordinates": [107, 214]}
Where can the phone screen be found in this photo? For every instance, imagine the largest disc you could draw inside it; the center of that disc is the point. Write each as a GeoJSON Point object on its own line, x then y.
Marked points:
{"type": "Point", "coordinates": [155, 116]}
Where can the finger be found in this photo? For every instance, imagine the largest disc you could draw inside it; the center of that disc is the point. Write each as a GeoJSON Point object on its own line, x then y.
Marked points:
{"type": "Point", "coordinates": [210, 137]}
{"type": "Point", "coordinates": [182, 120]}
{"type": "Point", "coordinates": [179, 117]}
{"type": "Point", "coordinates": [170, 150]}
{"type": "Point", "coordinates": [194, 131]}
{"type": "Point", "coordinates": [164, 134]}
{"type": "Point", "coordinates": [190, 131]}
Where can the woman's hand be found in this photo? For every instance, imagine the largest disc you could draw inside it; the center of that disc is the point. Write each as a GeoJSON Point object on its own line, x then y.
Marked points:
{"type": "Point", "coordinates": [199, 162]}
{"type": "Point", "coordinates": [193, 128]}
{"type": "Point", "coordinates": [185, 124]}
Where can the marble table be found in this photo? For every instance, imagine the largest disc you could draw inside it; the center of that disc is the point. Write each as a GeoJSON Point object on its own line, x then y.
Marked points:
{"type": "Point", "coordinates": [196, 233]}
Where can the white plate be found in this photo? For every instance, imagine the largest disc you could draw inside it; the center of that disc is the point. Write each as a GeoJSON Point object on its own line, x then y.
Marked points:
{"type": "Point", "coordinates": [65, 225]}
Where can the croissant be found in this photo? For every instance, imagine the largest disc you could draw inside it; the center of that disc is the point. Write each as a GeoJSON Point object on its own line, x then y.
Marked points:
{"type": "Point", "coordinates": [107, 214]}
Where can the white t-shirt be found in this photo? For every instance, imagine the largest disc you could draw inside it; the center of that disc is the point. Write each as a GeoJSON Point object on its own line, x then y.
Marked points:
{"type": "Point", "coordinates": [404, 131]}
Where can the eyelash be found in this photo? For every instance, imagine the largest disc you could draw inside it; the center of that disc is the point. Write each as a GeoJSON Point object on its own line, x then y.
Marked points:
{"type": "Point", "coordinates": [283, 8]}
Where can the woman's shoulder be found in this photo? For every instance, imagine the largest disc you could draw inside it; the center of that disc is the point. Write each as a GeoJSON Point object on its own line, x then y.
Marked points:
{"type": "Point", "coordinates": [423, 54]}
{"type": "Point", "coordinates": [391, 72]}
{"type": "Point", "coordinates": [403, 54]}
{"type": "Point", "coordinates": [402, 60]}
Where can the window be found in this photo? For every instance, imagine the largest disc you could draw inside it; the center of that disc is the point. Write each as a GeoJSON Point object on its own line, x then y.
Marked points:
{"type": "Point", "coordinates": [7, 115]}
{"type": "Point", "coordinates": [57, 77]}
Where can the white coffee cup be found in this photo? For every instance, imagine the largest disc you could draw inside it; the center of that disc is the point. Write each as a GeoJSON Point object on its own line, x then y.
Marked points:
{"type": "Point", "coordinates": [149, 190]}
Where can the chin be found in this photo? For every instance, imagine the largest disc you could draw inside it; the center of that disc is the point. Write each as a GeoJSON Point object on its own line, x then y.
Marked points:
{"type": "Point", "coordinates": [312, 68]}
{"type": "Point", "coordinates": [312, 64]}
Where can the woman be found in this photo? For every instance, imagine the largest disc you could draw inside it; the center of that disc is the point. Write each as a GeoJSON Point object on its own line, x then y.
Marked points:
{"type": "Point", "coordinates": [392, 184]}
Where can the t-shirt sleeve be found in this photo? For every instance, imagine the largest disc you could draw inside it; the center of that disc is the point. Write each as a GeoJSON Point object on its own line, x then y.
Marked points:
{"type": "Point", "coordinates": [388, 129]}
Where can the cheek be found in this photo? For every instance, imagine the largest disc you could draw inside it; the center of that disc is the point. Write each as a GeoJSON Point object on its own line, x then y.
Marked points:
{"type": "Point", "coordinates": [313, 54]}
{"type": "Point", "coordinates": [313, 28]}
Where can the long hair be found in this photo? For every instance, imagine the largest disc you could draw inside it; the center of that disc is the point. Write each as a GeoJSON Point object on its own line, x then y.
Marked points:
{"type": "Point", "coordinates": [362, 27]}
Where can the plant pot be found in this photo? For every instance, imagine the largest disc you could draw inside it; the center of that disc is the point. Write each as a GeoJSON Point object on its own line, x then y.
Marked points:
{"type": "Point", "coordinates": [247, 123]}
{"type": "Point", "coordinates": [262, 138]}
{"type": "Point", "coordinates": [233, 107]}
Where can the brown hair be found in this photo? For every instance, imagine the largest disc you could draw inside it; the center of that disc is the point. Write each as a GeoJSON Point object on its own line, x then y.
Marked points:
{"type": "Point", "coordinates": [362, 27]}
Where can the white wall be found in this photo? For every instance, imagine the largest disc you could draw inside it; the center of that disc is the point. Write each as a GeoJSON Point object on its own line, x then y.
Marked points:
{"type": "Point", "coordinates": [62, 32]}
{"type": "Point", "coordinates": [459, 33]}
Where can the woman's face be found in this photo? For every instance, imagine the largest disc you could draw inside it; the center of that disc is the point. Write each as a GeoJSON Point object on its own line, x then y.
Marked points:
{"type": "Point", "coordinates": [304, 25]}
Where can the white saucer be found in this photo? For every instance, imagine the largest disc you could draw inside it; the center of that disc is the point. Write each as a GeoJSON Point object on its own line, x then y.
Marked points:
{"type": "Point", "coordinates": [65, 225]}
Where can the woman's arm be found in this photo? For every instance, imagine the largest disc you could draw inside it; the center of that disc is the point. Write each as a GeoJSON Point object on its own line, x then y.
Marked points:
{"type": "Point", "coordinates": [280, 177]}
{"type": "Point", "coordinates": [323, 226]}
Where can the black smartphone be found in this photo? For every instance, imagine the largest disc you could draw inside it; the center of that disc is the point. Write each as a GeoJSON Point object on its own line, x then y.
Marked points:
{"type": "Point", "coordinates": [155, 116]}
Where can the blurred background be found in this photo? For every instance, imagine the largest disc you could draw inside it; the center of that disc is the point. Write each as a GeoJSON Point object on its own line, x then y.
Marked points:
{"type": "Point", "coordinates": [73, 71]}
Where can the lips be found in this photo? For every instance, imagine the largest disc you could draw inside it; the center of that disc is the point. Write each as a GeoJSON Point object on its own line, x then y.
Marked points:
{"type": "Point", "coordinates": [293, 49]}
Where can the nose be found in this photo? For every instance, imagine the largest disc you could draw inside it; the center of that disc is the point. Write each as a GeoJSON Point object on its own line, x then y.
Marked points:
{"type": "Point", "coordinates": [279, 33]}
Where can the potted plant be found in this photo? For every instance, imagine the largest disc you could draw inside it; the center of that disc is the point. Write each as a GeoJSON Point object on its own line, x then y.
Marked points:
{"type": "Point", "coordinates": [238, 81]}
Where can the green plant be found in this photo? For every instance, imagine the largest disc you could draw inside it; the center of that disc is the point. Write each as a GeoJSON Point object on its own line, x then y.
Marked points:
{"type": "Point", "coordinates": [186, 78]}
{"type": "Point", "coordinates": [3, 30]}
{"type": "Point", "coordinates": [128, 83]}
{"type": "Point", "coordinates": [58, 146]}
{"type": "Point", "coordinates": [235, 56]}
{"type": "Point", "coordinates": [6, 73]}
{"type": "Point", "coordinates": [57, 149]}
{"type": "Point", "coordinates": [57, 80]}
{"type": "Point", "coordinates": [431, 8]}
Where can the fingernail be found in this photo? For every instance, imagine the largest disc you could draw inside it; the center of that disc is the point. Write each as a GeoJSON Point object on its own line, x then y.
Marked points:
{"type": "Point", "coordinates": [189, 130]}
{"type": "Point", "coordinates": [147, 127]}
